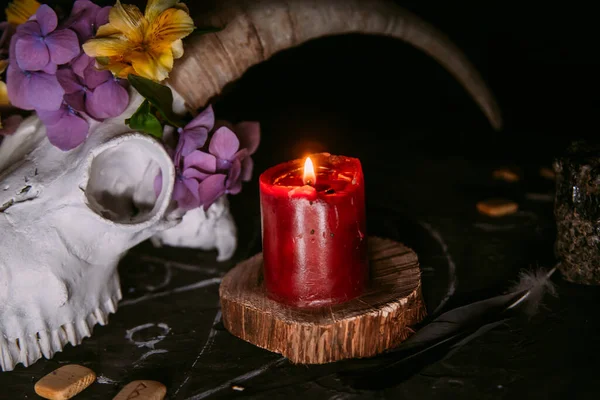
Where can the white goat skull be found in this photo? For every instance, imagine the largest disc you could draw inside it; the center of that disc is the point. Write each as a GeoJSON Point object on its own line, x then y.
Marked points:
{"type": "Point", "coordinates": [66, 219]}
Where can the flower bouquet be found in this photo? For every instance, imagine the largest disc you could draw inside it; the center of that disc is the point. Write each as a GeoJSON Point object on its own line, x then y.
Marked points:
{"type": "Point", "coordinates": [103, 122]}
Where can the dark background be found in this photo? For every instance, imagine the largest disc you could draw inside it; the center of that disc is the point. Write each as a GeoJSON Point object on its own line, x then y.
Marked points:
{"type": "Point", "coordinates": [428, 154]}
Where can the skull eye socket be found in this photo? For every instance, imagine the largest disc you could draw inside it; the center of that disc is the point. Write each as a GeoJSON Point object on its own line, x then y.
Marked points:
{"type": "Point", "coordinates": [121, 180]}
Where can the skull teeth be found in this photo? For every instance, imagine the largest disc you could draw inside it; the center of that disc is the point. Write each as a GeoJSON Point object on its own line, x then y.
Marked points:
{"type": "Point", "coordinates": [28, 349]}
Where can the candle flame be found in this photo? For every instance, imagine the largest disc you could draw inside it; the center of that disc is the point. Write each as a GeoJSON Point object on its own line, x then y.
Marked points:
{"type": "Point", "coordinates": [309, 177]}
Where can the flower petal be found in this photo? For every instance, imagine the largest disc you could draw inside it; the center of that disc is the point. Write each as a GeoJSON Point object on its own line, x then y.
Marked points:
{"type": "Point", "coordinates": [44, 92]}
{"type": "Point", "coordinates": [177, 49]}
{"type": "Point", "coordinates": [119, 69]}
{"type": "Point", "coordinates": [169, 26]}
{"type": "Point", "coordinates": [106, 47]}
{"type": "Point", "coordinates": [200, 160]}
{"type": "Point", "coordinates": [80, 6]}
{"type": "Point", "coordinates": [179, 189]}
{"type": "Point", "coordinates": [192, 185]}
{"type": "Point", "coordinates": [249, 135]}
{"type": "Point", "coordinates": [63, 46]}
{"type": "Point", "coordinates": [50, 68]}
{"type": "Point", "coordinates": [107, 101]}
{"type": "Point", "coordinates": [76, 100]}
{"type": "Point", "coordinates": [158, 182]}
{"type": "Point", "coordinates": [186, 145]}
{"type": "Point", "coordinates": [211, 189]}
{"type": "Point", "coordinates": [82, 18]}
{"type": "Point", "coordinates": [234, 187]}
{"type": "Point", "coordinates": [192, 173]}
{"type": "Point", "coordinates": [52, 117]}
{"type": "Point", "coordinates": [68, 132]}
{"type": "Point", "coordinates": [206, 119]}
{"type": "Point", "coordinates": [102, 16]}
{"type": "Point", "coordinates": [129, 20]}
{"type": "Point", "coordinates": [19, 11]}
{"type": "Point", "coordinates": [155, 7]}
{"type": "Point", "coordinates": [15, 85]}
{"type": "Point", "coordinates": [93, 77]}
{"type": "Point", "coordinates": [224, 144]}
{"type": "Point", "coordinates": [31, 53]}
{"type": "Point", "coordinates": [68, 80]}
{"type": "Point", "coordinates": [47, 19]}
{"type": "Point", "coordinates": [165, 60]}
{"type": "Point", "coordinates": [107, 30]}
{"type": "Point", "coordinates": [29, 28]}
{"type": "Point", "coordinates": [4, 101]}
{"type": "Point", "coordinates": [233, 177]}
{"type": "Point", "coordinates": [147, 66]}
{"type": "Point", "coordinates": [247, 168]}
{"type": "Point", "coordinates": [240, 155]}
{"type": "Point", "coordinates": [80, 63]}
{"type": "Point", "coordinates": [185, 199]}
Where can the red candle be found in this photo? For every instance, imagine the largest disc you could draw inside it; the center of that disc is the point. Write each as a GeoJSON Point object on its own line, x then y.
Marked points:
{"type": "Point", "coordinates": [313, 230]}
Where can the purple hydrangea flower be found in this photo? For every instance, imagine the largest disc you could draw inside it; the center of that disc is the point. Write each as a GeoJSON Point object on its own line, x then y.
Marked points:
{"type": "Point", "coordinates": [92, 91]}
{"type": "Point", "coordinates": [31, 85]}
{"type": "Point", "coordinates": [85, 19]}
{"type": "Point", "coordinates": [192, 166]}
{"type": "Point", "coordinates": [234, 164]}
{"type": "Point", "coordinates": [63, 97]}
{"type": "Point", "coordinates": [65, 127]}
{"type": "Point", "coordinates": [40, 46]}
{"type": "Point", "coordinates": [194, 135]}
{"type": "Point", "coordinates": [33, 90]}
{"type": "Point", "coordinates": [190, 171]}
{"type": "Point", "coordinates": [197, 167]}
{"type": "Point", "coordinates": [202, 177]}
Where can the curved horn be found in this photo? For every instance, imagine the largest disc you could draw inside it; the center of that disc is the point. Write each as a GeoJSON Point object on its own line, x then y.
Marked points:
{"type": "Point", "coordinates": [257, 29]}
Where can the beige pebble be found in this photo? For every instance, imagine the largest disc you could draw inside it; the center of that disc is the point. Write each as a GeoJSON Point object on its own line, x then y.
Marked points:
{"type": "Point", "coordinates": [497, 207]}
{"type": "Point", "coordinates": [142, 390]}
{"type": "Point", "coordinates": [547, 173]}
{"type": "Point", "coordinates": [238, 388]}
{"type": "Point", "coordinates": [506, 174]}
{"type": "Point", "coordinates": [65, 382]}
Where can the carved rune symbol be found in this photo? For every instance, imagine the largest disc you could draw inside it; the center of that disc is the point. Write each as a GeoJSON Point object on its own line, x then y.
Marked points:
{"type": "Point", "coordinates": [137, 391]}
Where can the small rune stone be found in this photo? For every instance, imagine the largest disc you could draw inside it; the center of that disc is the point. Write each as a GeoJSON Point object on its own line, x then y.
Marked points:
{"type": "Point", "coordinates": [506, 174]}
{"type": "Point", "coordinates": [142, 390]}
{"type": "Point", "coordinates": [65, 382]}
{"type": "Point", "coordinates": [497, 207]}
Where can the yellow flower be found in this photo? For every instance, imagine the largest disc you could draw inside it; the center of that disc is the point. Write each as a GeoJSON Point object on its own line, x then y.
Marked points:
{"type": "Point", "coordinates": [3, 92]}
{"type": "Point", "coordinates": [19, 11]}
{"type": "Point", "coordinates": [144, 45]}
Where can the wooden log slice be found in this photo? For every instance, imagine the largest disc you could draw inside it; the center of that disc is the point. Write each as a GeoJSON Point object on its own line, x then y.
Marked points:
{"type": "Point", "coordinates": [378, 320]}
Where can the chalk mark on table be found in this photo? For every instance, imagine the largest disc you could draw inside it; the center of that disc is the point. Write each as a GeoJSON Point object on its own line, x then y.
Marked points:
{"type": "Point", "coordinates": [181, 289]}
{"type": "Point", "coordinates": [207, 345]}
{"type": "Point", "coordinates": [239, 379]}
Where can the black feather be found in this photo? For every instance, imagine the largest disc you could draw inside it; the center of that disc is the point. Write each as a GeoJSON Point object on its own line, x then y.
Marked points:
{"type": "Point", "coordinates": [447, 333]}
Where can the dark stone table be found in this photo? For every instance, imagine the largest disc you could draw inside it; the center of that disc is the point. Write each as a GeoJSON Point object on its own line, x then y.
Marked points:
{"type": "Point", "coordinates": [428, 156]}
